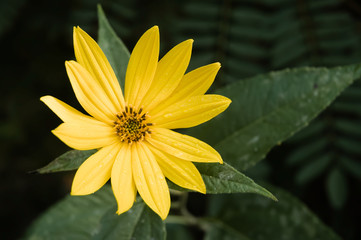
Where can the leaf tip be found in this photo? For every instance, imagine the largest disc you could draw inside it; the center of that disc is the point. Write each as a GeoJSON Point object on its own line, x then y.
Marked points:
{"type": "Point", "coordinates": [271, 196]}
{"type": "Point", "coordinates": [34, 172]}
{"type": "Point", "coordinates": [100, 8]}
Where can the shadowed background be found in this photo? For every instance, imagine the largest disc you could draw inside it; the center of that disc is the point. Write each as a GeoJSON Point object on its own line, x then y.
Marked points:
{"type": "Point", "coordinates": [321, 164]}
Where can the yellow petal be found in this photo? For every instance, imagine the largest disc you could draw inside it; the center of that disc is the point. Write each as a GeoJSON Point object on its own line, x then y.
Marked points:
{"type": "Point", "coordinates": [182, 173]}
{"type": "Point", "coordinates": [183, 146]}
{"type": "Point", "coordinates": [191, 112]}
{"type": "Point", "coordinates": [95, 171]}
{"type": "Point", "coordinates": [170, 71]}
{"type": "Point", "coordinates": [66, 112]}
{"type": "Point", "coordinates": [193, 83]}
{"type": "Point", "coordinates": [92, 58]}
{"type": "Point", "coordinates": [89, 93]}
{"type": "Point", "coordinates": [85, 136]}
{"type": "Point", "coordinates": [142, 66]}
{"type": "Point", "coordinates": [150, 180]}
{"type": "Point", "coordinates": [122, 180]}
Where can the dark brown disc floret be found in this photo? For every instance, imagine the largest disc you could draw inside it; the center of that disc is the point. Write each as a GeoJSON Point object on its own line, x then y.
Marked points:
{"type": "Point", "coordinates": [132, 125]}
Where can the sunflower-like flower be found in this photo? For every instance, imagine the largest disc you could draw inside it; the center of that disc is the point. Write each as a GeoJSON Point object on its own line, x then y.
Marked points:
{"type": "Point", "coordinates": [136, 148]}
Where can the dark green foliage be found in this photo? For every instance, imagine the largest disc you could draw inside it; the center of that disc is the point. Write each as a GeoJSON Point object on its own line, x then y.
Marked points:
{"type": "Point", "coordinates": [72, 217]}
{"type": "Point", "coordinates": [178, 232]}
{"type": "Point", "coordinates": [66, 162]}
{"type": "Point", "coordinates": [94, 217]}
{"type": "Point", "coordinates": [138, 223]}
{"type": "Point", "coordinates": [269, 108]}
{"type": "Point", "coordinates": [248, 37]}
{"type": "Point", "coordinates": [337, 188]}
{"type": "Point", "coordinates": [8, 13]}
{"type": "Point", "coordinates": [250, 217]}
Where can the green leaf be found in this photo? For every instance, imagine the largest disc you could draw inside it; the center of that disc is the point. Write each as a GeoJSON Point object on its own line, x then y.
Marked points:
{"type": "Point", "coordinates": [351, 166]}
{"type": "Point", "coordinates": [351, 127]}
{"type": "Point", "coordinates": [251, 216]}
{"type": "Point", "coordinates": [94, 217]}
{"type": "Point", "coordinates": [337, 188]}
{"type": "Point", "coordinates": [70, 160]}
{"type": "Point", "coordinates": [268, 109]}
{"type": "Point", "coordinates": [225, 179]}
{"type": "Point", "coordinates": [313, 169]}
{"type": "Point", "coordinates": [113, 47]}
{"type": "Point", "coordinates": [348, 144]}
{"type": "Point", "coordinates": [138, 223]}
{"type": "Point", "coordinates": [315, 128]}
{"type": "Point", "coordinates": [261, 171]}
{"type": "Point", "coordinates": [75, 217]}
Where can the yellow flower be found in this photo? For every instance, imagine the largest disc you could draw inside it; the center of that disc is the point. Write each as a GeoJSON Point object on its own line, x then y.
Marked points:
{"type": "Point", "coordinates": [136, 148]}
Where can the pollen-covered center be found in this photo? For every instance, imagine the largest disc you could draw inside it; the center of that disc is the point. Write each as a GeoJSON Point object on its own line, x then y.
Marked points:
{"type": "Point", "coordinates": [131, 125]}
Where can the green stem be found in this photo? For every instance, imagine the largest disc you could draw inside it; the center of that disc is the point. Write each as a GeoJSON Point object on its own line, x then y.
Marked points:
{"type": "Point", "coordinates": [185, 217]}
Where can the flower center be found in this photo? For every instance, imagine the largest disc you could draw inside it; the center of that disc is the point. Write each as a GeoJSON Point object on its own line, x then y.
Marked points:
{"type": "Point", "coordinates": [131, 125]}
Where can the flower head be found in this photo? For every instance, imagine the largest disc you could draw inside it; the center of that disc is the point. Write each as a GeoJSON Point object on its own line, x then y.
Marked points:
{"type": "Point", "coordinates": [136, 148]}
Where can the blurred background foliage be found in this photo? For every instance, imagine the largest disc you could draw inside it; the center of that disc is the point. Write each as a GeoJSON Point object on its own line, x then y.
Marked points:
{"type": "Point", "coordinates": [321, 164]}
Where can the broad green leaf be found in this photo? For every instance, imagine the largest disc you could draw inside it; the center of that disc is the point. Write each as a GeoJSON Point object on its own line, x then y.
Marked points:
{"type": "Point", "coordinates": [337, 188]}
{"type": "Point", "coordinates": [223, 178]}
{"type": "Point", "coordinates": [261, 171]}
{"type": "Point", "coordinates": [140, 222]}
{"type": "Point", "coordinates": [113, 47]}
{"type": "Point", "coordinates": [94, 217]}
{"type": "Point", "coordinates": [315, 128]}
{"type": "Point", "coordinates": [253, 217]}
{"type": "Point", "coordinates": [70, 160]}
{"type": "Point", "coordinates": [73, 218]}
{"type": "Point", "coordinates": [268, 109]}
